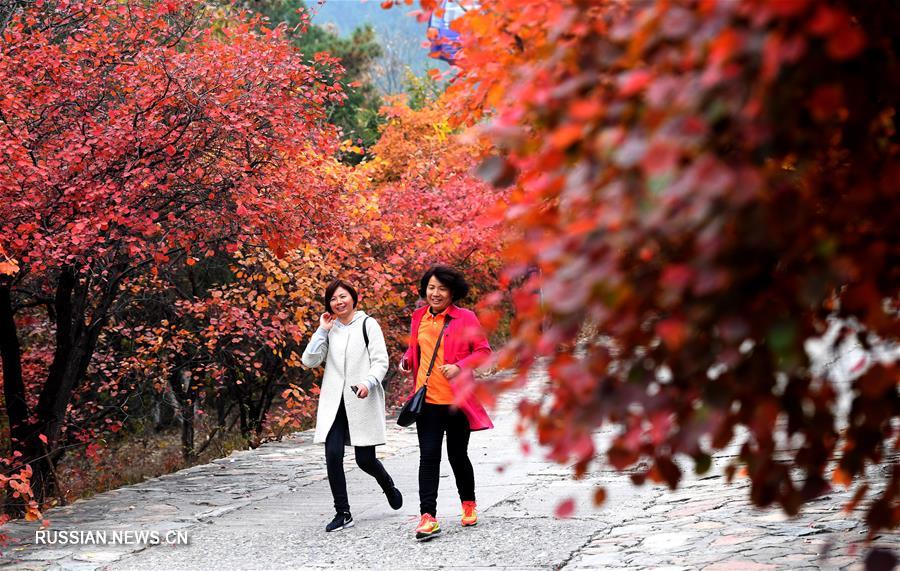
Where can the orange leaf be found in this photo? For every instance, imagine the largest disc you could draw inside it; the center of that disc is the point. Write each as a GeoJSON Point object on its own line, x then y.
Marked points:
{"type": "Point", "coordinates": [9, 268]}
{"type": "Point", "coordinates": [586, 109]}
{"type": "Point", "coordinates": [724, 46]}
{"type": "Point", "coordinates": [566, 135]}
{"type": "Point", "coordinates": [842, 477]}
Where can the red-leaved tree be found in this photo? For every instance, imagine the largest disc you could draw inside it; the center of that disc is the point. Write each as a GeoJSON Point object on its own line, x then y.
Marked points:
{"type": "Point", "coordinates": [136, 135]}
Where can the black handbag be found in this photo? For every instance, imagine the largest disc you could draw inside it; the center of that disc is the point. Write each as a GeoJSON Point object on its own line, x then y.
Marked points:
{"type": "Point", "coordinates": [413, 407]}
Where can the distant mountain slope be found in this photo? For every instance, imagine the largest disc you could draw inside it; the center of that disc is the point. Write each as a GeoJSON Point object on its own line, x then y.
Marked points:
{"type": "Point", "coordinates": [397, 30]}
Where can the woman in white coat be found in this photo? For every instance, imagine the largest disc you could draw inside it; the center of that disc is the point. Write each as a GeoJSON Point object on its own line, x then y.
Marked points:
{"type": "Point", "coordinates": [351, 402]}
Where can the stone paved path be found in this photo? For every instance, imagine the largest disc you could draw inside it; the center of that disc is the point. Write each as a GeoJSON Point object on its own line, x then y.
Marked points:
{"type": "Point", "coordinates": [266, 509]}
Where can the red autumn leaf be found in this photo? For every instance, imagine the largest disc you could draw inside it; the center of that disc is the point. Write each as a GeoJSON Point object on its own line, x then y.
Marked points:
{"type": "Point", "coordinates": [826, 102]}
{"type": "Point", "coordinates": [565, 509]}
{"type": "Point", "coordinates": [673, 333]}
{"type": "Point", "coordinates": [791, 8]}
{"type": "Point", "coordinates": [846, 42]}
{"type": "Point", "coordinates": [634, 82]}
{"type": "Point", "coordinates": [660, 158]}
{"type": "Point", "coordinates": [878, 382]}
{"type": "Point", "coordinates": [826, 20]}
{"type": "Point", "coordinates": [620, 457]}
{"type": "Point", "coordinates": [725, 46]}
{"type": "Point", "coordinates": [677, 277]}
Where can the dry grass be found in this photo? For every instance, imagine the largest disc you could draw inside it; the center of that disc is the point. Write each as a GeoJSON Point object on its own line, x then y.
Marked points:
{"type": "Point", "coordinates": [132, 458]}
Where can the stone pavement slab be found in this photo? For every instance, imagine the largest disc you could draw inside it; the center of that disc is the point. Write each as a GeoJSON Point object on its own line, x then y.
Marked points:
{"type": "Point", "coordinates": [267, 508]}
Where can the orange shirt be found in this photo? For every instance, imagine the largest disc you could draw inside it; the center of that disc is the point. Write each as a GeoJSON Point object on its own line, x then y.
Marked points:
{"type": "Point", "coordinates": [438, 386]}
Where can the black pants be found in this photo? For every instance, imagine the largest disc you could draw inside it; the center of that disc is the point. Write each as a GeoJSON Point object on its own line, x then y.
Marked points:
{"type": "Point", "coordinates": [337, 438]}
{"type": "Point", "coordinates": [435, 420]}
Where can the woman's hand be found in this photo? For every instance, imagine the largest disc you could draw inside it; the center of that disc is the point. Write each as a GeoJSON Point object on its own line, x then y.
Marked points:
{"type": "Point", "coordinates": [326, 321]}
{"type": "Point", "coordinates": [361, 391]}
{"type": "Point", "coordinates": [450, 371]}
{"type": "Point", "coordinates": [404, 366]}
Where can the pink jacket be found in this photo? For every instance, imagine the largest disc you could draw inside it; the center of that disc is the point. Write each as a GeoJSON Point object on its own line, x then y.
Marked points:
{"type": "Point", "coordinates": [466, 346]}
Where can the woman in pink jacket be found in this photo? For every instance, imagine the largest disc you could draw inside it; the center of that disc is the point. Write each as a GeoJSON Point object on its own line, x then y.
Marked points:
{"type": "Point", "coordinates": [446, 344]}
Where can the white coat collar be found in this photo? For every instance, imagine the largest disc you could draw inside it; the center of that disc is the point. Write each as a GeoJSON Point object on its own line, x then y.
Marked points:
{"type": "Point", "coordinates": [356, 317]}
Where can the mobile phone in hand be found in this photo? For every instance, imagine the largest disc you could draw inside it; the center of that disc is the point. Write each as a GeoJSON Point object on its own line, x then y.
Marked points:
{"type": "Point", "coordinates": [355, 389]}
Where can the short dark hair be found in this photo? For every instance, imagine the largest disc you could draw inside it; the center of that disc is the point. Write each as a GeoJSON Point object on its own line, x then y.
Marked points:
{"type": "Point", "coordinates": [450, 277]}
{"type": "Point", "coordinates": [332, 287]}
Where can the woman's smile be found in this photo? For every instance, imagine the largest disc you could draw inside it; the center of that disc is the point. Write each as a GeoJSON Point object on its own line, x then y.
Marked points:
{"type": "Point", "coordinates": [342, 304]}
{"type": "Point", "coordinates": [438, 295]}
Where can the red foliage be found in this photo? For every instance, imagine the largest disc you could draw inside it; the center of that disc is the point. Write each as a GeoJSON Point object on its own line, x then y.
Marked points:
{"type": "Point", "coordinates": [164, 137]}
{"type": "Point", "coordinates": [138, 136]}
{"type": "Point", "coordinates": [701, 186]}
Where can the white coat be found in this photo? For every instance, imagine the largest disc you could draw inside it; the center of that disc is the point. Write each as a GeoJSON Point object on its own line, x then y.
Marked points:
{"type": "Point", "coordinates": [348, 363]}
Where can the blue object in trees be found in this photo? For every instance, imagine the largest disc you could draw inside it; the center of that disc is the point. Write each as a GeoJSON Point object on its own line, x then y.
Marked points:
{"type": "Point", "coordinates": [444, 40]}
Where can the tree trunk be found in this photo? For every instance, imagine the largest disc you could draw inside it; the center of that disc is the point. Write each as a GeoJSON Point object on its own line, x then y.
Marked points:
{"type": "Point", "coordinates": [220, 410]}
{"type": "Point", "coordinates": [43, 466]}
{"type": "Point", "coordinates": [76, 339]}
{"type": "Point", "coordinates": [165, 409]}
{"type": "Point", "coordinates": [242, 408]}
{"type": "Point", "coordinates": [187, 432]}
{"type": "Point", "coordinates": [186, 396]}
{"type": "Point", "coordinates": [265, 400]}
{"type": "Point", "coordinates": [23, 434]}
{"type": "Point", "coordinates": [11, 354]}
{"type": "Point", "coordinates": [253, 406]}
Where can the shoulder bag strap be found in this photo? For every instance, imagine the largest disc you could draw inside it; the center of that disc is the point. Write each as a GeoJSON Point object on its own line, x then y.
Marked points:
{"type": "Point", "coordinates": [436, 347]}
{"type": "Point", "coordinates": [366, 333]}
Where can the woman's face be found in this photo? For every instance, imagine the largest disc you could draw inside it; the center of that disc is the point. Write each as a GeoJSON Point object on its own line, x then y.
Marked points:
{"type": "Point", "coordinates": [437, 295]}
{"type": "Point", "coordinates": [341, 303]}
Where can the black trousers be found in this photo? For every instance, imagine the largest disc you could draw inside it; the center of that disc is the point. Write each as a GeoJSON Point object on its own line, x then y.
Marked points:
{"type": "Point", "coordinates": [432, 423]}
{"type": "Point", "coordinates": [337, 438]}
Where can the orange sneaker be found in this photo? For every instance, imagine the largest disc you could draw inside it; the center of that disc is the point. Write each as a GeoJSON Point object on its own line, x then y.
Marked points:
{"type": "Point", "coordinates": [428, 528]}
{"type": "Point", "coordinates": [470, 516]}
